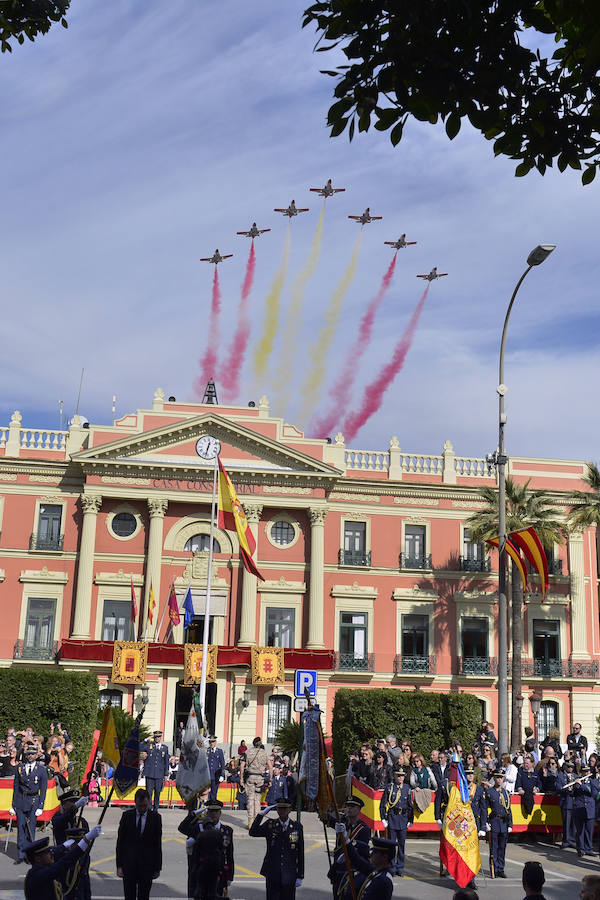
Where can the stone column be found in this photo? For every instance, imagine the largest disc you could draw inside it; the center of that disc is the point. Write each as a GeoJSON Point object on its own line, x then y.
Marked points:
{"type": "Point", "coordinates": [157, 507]}
{"type": "Point", "coordinates": [579, 646]}
{"type": "Point", "coordinates": [317, 571]}
{"type": "Point", "coordinates": [248, 617]}
{"type": "Point", "coordinates": [90, 504]}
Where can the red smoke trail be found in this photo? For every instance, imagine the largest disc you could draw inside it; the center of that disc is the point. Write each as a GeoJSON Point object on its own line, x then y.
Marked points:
{"type": "Point", "coordinates": [340, 392]}
{"type": "Point", "coordinates": [374, 392]}
{"type": "Point", "coordinates": [234, 359]}
{"type": "Point", "coordinates": [209, 360]}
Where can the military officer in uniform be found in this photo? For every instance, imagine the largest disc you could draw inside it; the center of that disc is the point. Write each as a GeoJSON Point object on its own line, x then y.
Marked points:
{"type": "Point", "coordinates": [374, 881]}
{"type": "Point", "coordinates": [278, 787]}
{"type": "Point", "coordinates": [156, 767]}
{"type": "Point", "coordinates": [40, 881]}
{"type": "Point", "coordinates": [216, 766]}
{"type": "Point", "coordinates": [564, 786]}
{"type": "Point", "coordinates": [210, 848]}
{"type": "Point", "coordinates": [29, 795]}
{"type": "Point", "coordinates": [584, 812]}
{"type": "Point", "coordinates": [283, 865]}
{"type": "Point", "coordinates": [397, 815]}
{"type": "Point", "coordinates": [499, 822]}
{"type": "Point", "coordinates": [76, 880]}
{"type": "Point", "coordinates": [355, 829]}
{"type": "Point", "coordinates": [64, 818]}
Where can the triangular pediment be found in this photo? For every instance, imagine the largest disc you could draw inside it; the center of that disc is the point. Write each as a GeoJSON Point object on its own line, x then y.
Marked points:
{"type": "Point", "coordinates": [172, 446]}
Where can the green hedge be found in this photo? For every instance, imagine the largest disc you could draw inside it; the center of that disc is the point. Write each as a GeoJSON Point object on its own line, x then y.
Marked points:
{"type": "Point", "coordinates": [36, 696]}
{"type": "Point", "coordinates": [429, 720]}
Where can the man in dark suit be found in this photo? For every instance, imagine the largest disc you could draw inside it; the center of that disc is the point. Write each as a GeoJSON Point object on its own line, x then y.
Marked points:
{"type": "Point", "coordinates": [139, 848]}
{"type": "Point", "coordinates": [283, 865]}
{"type": "Point", "coordinates": [29, 796]}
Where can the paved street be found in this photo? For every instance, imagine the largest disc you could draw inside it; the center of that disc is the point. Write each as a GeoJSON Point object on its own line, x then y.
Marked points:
{"type": "Point", "coordinates": [563, 870]}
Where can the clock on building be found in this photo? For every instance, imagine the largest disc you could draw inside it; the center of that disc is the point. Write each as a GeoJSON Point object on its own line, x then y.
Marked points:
{"type": "Point", "coordinates": [207, 447]}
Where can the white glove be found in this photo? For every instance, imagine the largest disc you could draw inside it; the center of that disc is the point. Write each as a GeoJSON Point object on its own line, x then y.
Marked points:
{"type": "Point", "coordinates": [38, 813]}
{"type": "Point", "coordinates": [189, 845]}
{"type": "Point", "coordinates": [481, 833]}
{"type": "Point", "coordinates": [94, 832]}
{"type": "Point", "coordinates": [384, 822]}
{"type": "Point", "coordinates": [510, 830]}
{"type": "Point", "coordinates": [440, 823]}
{"type": "Point", "coordinates": [206, 743]}
{"type": "Point", "coordinates": [266, 810]}
{"type": "Point", "coordinates": [340, 828]}
{"type": "Point", "coordinates": [69, 843]}
{"type": "Point", "coordinates": [222, 778]}
{"type": "Point", "coordinates": [11, 811]}
{"type": "Point", "coordinates": [298, 882]}
{"type": "Point", "coordinates": [409, 824]}
{"type": "Point", "coordinates": [488, 827]}
{"type": "Point", "coordinates": [83, 801]}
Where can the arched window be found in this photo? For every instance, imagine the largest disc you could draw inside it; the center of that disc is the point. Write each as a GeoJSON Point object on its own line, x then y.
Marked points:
{"type": "Point", "coordinates": [201, 542]}
{"type": "Point", "coordinates": [115, 698]}
{"type": "Point", "coordinates": [548, 718]}
{"type": "Point", "coordinates": [278, 714]}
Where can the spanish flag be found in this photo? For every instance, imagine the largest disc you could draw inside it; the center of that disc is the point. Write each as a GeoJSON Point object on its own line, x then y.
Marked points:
{"type": "Point", "coordinates": [233, 518]}
{"type": "Point", "coordinates": [527, 540]}
{"type": "Point", "coordinates": [151, 604]}
{"type": "Point", "coordinates": [515, 554]}
{"type": "Point", "coordinates": [108, 742]}
{"type": "Point", "coordinates": [459, 843]}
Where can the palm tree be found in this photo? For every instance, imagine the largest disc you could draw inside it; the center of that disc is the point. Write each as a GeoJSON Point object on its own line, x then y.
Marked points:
{"type": "Point", "coordinates": [524, 508]}
{"type": "Point", "coordinates": [585, 511]}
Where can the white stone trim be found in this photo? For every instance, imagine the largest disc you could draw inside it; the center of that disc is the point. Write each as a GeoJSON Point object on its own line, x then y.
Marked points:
{"type": "Point", "coordinates": [411, 604]}
{"type": "Point", "coordinates": [278, 601]}
{"type": "Point", "coordinates": [282, 517]}
{"type": "Point", "coordinates": [124, 508]}
{"type": "Point", "coordinates": [548, 612]}
{"type": "Point", "coordinates": [46, 586]}
{"type": "Point", "coordinates": [184, 529]}
{"type": "Point", "coordinates": [362, 604]}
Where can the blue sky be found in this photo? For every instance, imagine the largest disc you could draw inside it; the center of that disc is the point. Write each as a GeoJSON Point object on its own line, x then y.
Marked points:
{"type": "Point", "coordinates": [148, 133]}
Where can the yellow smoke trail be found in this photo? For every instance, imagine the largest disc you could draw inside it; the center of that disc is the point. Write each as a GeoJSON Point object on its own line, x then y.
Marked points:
{"type": "Point", "coordinates": [264, 347]}
{"type": "Point", "coordinates": [320, 349]}
{"type": "Point", "coordinates": [289, 342]}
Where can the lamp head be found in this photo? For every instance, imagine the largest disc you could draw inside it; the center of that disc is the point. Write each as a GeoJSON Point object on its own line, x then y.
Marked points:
{"type": "Point", "coordinates": [539, 254]}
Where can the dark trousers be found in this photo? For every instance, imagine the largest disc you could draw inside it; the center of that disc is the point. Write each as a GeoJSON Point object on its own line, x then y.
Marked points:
{"type": "Point", "coordinates": [25, 818]}
{"type": "Point", "coordinates": [278, 891]}
{"type": "Point", "coordinates": [584, 831]}
{"type": "Point", "coordinates": [568, 827]}
{"type": "Point", "coordinates": [154, 786]}
{"type": "Point", "coordinates": [398, 835]}
{"type": "Point", "coordinates": [136, 887]}
{"type": "Point", "coordinates": [214, 787]}
{"type": "Point", "coordinates": [498, 840]}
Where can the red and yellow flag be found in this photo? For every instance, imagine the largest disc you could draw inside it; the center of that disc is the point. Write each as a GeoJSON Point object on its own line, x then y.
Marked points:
{"type": "Point", "coordinates": [173, 606]}
{"type": "Point", "coordinates": [151, 603]}
{"type": "Point", "coordinates": [515, 554]}
{"type": "Point", "coordinates": [527, 540]}
{"type": "Point", "coordinates": [233, 518]}
{"type": "Point", "coordinates": [459, 843]}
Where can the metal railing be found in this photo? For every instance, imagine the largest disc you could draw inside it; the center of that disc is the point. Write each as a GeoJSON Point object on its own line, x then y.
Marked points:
{"type": "Point", "coordinates": [477, 665]}
{"type": "Point", "coordinates": [470, 564]}
{"type": "Point", "coordinates": [39, 542]}
{"type": "Point", "coordinates": [415, 562]}
{"type": "Point", "coordinates": [414, 665]}
{"type": "Point", "coordinates": [559, 668]}
{"type": "Point", "coordinates": [350, 662]}
{"type": "Point", "coordinates": [352, 558]}
{"type": "Point", "coordinates": [21, 651]}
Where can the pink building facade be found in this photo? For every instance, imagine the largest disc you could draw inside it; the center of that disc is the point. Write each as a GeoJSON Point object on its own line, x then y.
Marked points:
{"type": "Point", "coordinates": [370, 573]}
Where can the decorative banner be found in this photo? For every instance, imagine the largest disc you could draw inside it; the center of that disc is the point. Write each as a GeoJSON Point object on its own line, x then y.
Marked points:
{"type": "Point", "coordinates": [130, 659]}
{"type": "Point", "coordinates": [192, 663]}
{"type": "Point", "coordinates": [267, 665]}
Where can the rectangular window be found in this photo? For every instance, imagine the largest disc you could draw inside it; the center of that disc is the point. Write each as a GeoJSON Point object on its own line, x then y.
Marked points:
{"type": "Point", "coordinates": [39, 629]}
{"type": "Point", "coordinates": [48, 536]}
{"type": "Point", "coordinates": [195, 633]}
{"type": "Point", "coordinates": [471, 550]}
{"type": "Point", "coordinates": [278, 714]}
{"type": "Point", "coordinates": [279, 627]}
{"type": "Point", "coordinates": [474, 640]}
{"type": "Point", "coordinates": [473, 557]}
{"type": "Point", "coordinates": [353, 636]}
{"type": "Point", "coordinates": [415, 643]}
{"type": "Point", "coordinates": [355, 544]}
{"type": "Point", "coordinates": [414, 546]}
{"type": "Point", "coordinates": [546, 647]}
{"type": "Point", "coordinates": [116, 621]}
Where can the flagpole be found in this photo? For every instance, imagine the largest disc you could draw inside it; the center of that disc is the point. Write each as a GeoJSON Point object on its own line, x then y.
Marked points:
{"type": "Point", "coordinates": [208, 586]}
{"type": "Point", "coordinates": [148, 611]}
{"type": "Point", "coordinates": [162, 618]}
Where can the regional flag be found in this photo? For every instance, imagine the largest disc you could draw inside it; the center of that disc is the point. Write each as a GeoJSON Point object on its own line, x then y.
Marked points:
{"type": "Point", "coordinates": [151, 604]}
{"type": "Point", "coordinates": [515, 554]}
{"type": "Point", "coordinates": [193, 775]}
{"type": "Point", "coordinates": [173, 606]}
{"type": "Point", "coordinates": [459, 843]}
{"type": "Point", "coordinates": [108, 742]}
{"type": "Point", "coordinates": [188, 605]}
{"type": "Point", "coordinates": [127, 771]}
{"type": "Point", "coordinates": [526, 539]}
{"type": "Point", "coordinates": [134, 606]}
{"type": "Point", "coordinates": [233, 518]}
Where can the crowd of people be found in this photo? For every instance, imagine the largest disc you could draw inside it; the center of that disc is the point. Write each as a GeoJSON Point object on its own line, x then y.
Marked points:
{"type": "Point", "coordinates": [53, 751]}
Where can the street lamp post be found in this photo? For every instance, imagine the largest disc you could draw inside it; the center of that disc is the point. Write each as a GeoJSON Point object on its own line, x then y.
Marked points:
{"type": "Point", "coordinates": [535, 699]}
{"type": "Point", "coordinates": [535, 258]}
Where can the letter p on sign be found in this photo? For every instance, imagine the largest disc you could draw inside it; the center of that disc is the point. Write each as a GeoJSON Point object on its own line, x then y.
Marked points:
{"type": "Point", "coordinates": [306, 679]}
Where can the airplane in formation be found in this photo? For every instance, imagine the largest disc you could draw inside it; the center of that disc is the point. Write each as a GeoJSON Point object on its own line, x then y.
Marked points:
{"type": "Point", "coordinates": [216, 258]}
{"type": "Point", "coordinates": [366, 217]}
{"type": "Point", "coordinates": [401, 242]}
{"type": "Point", "coordinates": [433, 275]}
{"type": "Point", "coordinates": [253, 231]}
{"type": "Point", "coordinates": [292, 210]}
{"type": "Point", "coordinates": [328, 190]}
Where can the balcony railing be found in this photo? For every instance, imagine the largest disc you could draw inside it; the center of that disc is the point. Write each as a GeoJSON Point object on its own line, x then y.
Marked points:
{"type": "Point", "coordinates": [43, 542]}
{"type": "Point", "coordinates": [469, 564]}
{"type": "Point", "coordinates": [477, 665]}
{"type": "Point", "coordinates": [21, 651]}
{"type": "Point", "coordinates": [415, 562]}
{"type": "Point", "coordinates": [557, 668]}
{"type": "Point", "coordinates": [352, 558]}
{"type": "Point", "coordinates": [414, 665]}
{"type": "Point", "coordinates": [350, 662]}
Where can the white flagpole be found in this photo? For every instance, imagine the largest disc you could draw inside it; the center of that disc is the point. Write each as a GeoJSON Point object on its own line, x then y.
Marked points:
{"type": "Point", "coordinates": [208, 586]}
{"type": "Point", "coordinates": [162, 618]}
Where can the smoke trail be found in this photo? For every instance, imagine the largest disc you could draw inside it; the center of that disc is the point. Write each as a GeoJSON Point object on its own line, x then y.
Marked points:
{"type": "Point", "coordinates": [290, 335]}
{"type": "Point", "coordinates": [374, 392]}
{"type": "Point", "coordinates": [340, 392]}
{"type": "Point", "coordinates": [209, 360]}
{"type": "Point", "coordinates": [264, 347]}
{"type": "Point", "coordinates": [230, 372]}
{"type": "Point", "coordinates": [320, 348]}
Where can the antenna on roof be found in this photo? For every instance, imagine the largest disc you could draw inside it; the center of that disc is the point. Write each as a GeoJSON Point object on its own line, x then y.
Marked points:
{"type": "Point", "coordinates": [79, 394]}
{"type": "Point", "coordinates": [210, 394]}
{"type": "Point", "coordinates": [60, 414]}
{"type": "Point", "coordinates": [114, 405]}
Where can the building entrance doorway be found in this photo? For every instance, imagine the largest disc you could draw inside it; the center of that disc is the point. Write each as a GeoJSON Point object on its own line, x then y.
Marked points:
{"type": "Point", "coordinates": [183, 702]}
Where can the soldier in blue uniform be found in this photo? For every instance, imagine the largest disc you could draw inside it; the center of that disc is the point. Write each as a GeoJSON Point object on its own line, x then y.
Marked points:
{"type": "Point", "coordinates": [355, 829]}
{"type": "Point", "coordinates": [64, 818]}
{"type": "Point", "coordinates": [338, 871]}
{"type": "Point", "coordinates": [278, 787]}
{"type": "Point", "coordinates": [29, 795]}
{"type": "Point", "coordinates": [527, 783]}
{"type": "Point", "coordinates": [45, 871]}
{"type": "Point", "coordinates": [584, 812]}
{"type": "Point", "coordinates": [283, 865]}
{"type": "Point", "coordinates": [499, 822]}
{"type": "Point", "coordinates": [374, 879]}
{"type": "Point", "coordinates": [564, 786]}
{"type": "Point", "coordinates": [156, 767]}
{"type": "Point", "coordinates": [210, 849]}
{"type": "Point", "coordinates": [216, 766]}
{"type": "Point", "coordinates": [76, 880]}
{"type": "Point", "coordinates": [397, 815]}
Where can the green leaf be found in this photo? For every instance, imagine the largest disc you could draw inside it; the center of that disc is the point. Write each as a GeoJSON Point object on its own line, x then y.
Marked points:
{"type": "Point", "coordinates": [351, 130]}
{"type": "Point", "coordinates": [386, 118]}
{"type": "Point", "coordinates": [589, 175]}
{"type": "Point", "coordinates": [562, 162]}
{"type": "Point", "coordinates": [338, 127]}
{"type": "Point", "coordinates": [396, 133]}
{"type": "Point", "coordinates": [522, 169]}
{"type": "Point", "coordinates": [453, 125]}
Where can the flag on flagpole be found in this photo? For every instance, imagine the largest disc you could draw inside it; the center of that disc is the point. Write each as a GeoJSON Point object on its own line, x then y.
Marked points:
{"type": "Point", "coordinates": [173, 606]}
{"type": "Point", "coordinates": [151, 603]}
{"type": "Point", "coordinates": [128, 768]}
{"type": "Point", "coordinates": [188, 606]}
{"type": "Point", "coordinates": [134, 606]}
{"type": "Point", "coordinates": [108, 742]}
{"type": "Point", "coordinates": [233, 518]}
{"type": "Point", "coordinates": [527, 540]}
{"type": "Point", "coordinates": [459, 843]}
{"type": "Point", "coordinates": [193, 775]}
{"type": "Point", "coordinates": [515, 554]}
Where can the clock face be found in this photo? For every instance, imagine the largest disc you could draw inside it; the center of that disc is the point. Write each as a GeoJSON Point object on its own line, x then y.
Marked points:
{"type": "Point", "coordinates": [208, 447]}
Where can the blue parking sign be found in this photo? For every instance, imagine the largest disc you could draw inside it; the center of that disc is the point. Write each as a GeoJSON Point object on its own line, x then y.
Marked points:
{"type": "Point", "coordinates": [306, 678]}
